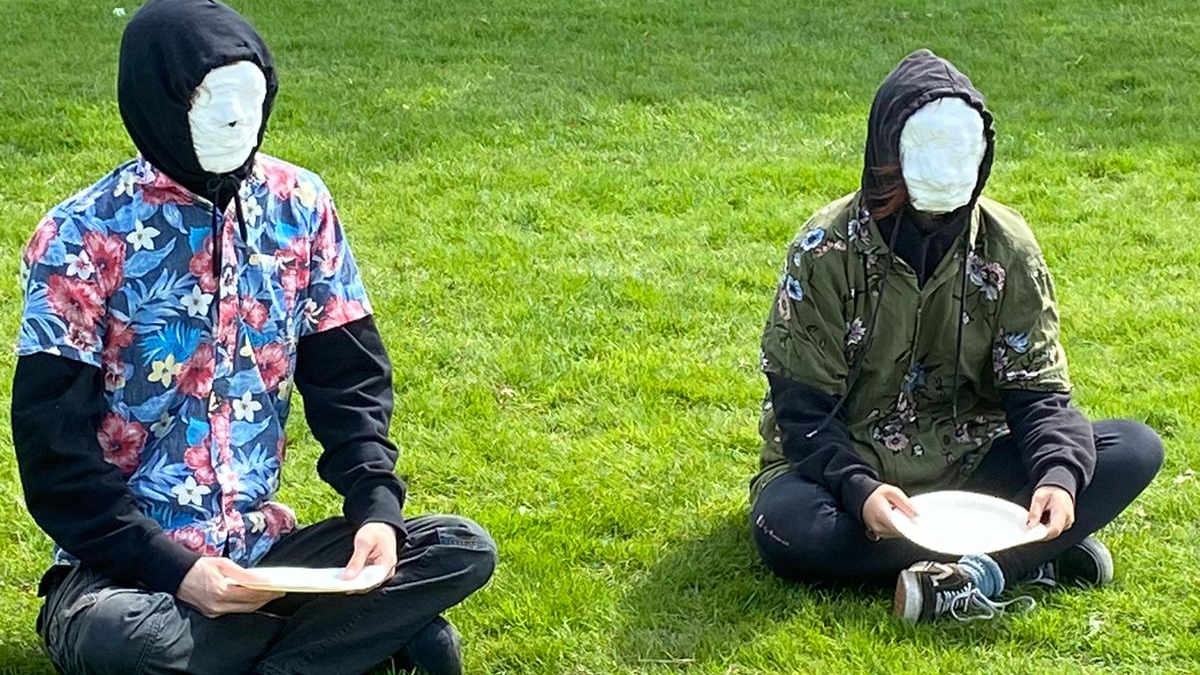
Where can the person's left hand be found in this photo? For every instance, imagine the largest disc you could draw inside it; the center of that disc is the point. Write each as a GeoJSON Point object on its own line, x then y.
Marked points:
{"type": "Point", "coordinates": [374, 544]}
{"type": "Point", "coordinates": [1053, 505]}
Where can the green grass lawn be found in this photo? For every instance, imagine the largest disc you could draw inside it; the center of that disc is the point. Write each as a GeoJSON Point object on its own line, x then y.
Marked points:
{"type": "Point", "coordinates": [571, 214]}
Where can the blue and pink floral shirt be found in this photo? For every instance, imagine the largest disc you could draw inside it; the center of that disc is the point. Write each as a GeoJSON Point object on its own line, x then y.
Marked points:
{"type": "Point", "coordinates": [197, 367]}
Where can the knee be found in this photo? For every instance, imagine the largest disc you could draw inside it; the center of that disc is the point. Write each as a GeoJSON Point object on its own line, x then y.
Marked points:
{"type": "Point", "coordinates": [1140, 450]}
{"type": "Point", "coordinates": [123, 629]}
{"type": "Point", "coordinates": [792, 545]}
{"type": "Point", "coordinates": [472, 548]}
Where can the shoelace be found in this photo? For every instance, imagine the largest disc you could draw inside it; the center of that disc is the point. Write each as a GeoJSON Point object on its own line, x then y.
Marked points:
{"type": "Point", "coordinates": [969, 597]}
{"type": "Point", "coordinates": [1045, 576]}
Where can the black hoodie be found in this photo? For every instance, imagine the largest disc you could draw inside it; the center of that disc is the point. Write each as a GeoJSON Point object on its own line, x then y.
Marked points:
{"type": "Point", "coordinates": [168, 48]}
{"type": "Point", "coordinates": [73, 494]}
{"type": "Point", "coordinates": [1055, 438]}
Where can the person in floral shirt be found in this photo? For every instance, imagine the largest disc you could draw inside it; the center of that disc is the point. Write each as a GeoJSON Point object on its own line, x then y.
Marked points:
{"type": "Point", "coordinates": [170, 310]}
{"type": "Point", "coordinates": [913, 345]}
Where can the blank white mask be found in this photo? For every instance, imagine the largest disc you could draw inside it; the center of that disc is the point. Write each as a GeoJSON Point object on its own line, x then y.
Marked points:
{"type": "Point", "coordinates": [941, 147]}
{"type": "Point", "coordinates": [226, 115]}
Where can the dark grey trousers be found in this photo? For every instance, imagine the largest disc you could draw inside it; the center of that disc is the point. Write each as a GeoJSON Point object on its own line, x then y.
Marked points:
{"type": "Point", "coordinates": [802, 532]}
{"type": "Point", "coordinates": [89, 625]}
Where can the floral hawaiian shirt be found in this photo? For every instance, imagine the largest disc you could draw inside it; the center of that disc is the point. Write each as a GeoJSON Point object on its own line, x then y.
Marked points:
{"type": "Point", "coordinates": [900, 410]}
{"type": "Point", "coordinates": [197, 369]}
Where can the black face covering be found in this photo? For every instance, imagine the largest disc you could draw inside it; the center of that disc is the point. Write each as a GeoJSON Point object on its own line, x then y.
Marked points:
{"type": "Point", "coordinates": [168, 48]}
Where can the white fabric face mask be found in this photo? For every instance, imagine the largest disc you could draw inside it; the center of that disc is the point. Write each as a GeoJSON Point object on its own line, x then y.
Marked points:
{"type": "Point", "coordinates": [226, 114]}
{"type": "Point", "coordinates": [941, 147]}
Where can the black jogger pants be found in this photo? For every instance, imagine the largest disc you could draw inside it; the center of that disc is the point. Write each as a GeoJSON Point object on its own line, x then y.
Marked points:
{"type": "Point", "coordinates": [801, 531]}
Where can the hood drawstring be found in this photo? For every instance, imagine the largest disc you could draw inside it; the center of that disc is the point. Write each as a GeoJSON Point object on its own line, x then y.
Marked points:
{"type": "Point", "coordinates": [962, 313]}
{"type": "Point", "coordinates": [861, 355]}
{"type": "Point", "coordinates": [215, 188]}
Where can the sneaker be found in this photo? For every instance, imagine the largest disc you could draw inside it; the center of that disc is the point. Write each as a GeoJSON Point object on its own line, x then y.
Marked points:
{"type": "Point", "coordinates": [929, 590]}
{"type": "Point", "coordinates": [436, 649]}
{"type": "Point", "coordinates": [1087, 564]}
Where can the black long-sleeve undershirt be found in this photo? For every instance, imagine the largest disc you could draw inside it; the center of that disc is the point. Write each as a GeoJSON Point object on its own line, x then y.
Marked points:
{"type": "Point", "coordinates": [73, 494]}
{"type": "Point", "coordinates": [83, 503]}
{"type": "Point", "coordinates": [345, 378]}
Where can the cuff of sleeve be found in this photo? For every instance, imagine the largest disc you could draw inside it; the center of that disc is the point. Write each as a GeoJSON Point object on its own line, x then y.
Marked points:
{"type": "Point", "coordinates": [378, 503]}
{"type": "Point", "coordinates": [857, 488]}
{"type": "Point", "coordinates": [165, 563]}
{"type": "Point", "coordinates": [1061, 476]}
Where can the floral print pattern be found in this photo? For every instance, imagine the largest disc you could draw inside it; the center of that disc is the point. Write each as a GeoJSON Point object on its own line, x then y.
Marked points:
{"type": "Point", "coordinates": [197, 369]}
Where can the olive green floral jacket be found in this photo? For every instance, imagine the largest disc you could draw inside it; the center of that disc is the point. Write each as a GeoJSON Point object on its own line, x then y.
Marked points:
{"type": "Point", "coordinates": [900, 411]}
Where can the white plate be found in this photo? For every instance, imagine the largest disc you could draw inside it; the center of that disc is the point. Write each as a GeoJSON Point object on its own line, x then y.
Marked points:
{"type": "Point", "coordinates": [315, 580]}
{"type": "Point", "coordinates": [960, 523]}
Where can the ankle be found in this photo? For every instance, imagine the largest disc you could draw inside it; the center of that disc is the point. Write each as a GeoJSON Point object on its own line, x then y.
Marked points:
{"type": "Point", "coordinates": [984, 572]}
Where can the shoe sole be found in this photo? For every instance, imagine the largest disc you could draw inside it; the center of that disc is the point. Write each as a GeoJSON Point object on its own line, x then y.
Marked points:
{"type": "Point", "coordinates": [1103, 559]}
{"type": "Point", "coordinates": [907, 602]}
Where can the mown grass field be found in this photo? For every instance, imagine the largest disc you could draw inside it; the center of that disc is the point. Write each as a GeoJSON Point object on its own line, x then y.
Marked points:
{"type": "Point", "coordinates": [570, 215]}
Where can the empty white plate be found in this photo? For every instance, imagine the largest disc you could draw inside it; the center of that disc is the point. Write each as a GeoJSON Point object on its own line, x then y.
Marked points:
{"type": "Point", "coordinates": [315, 580]}
{"type": "Point", "coordinates": [960, 523]}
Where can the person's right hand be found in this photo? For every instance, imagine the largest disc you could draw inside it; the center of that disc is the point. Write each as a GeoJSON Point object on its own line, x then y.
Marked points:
{"type": "Point", "coordinates": [211, 587]}
{"type": "Point", "coordinates": [875, 510]}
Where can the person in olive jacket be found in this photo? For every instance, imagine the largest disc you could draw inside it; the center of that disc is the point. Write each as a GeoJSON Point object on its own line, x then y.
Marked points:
{"type": "Point", "coordinates": [913, 345]}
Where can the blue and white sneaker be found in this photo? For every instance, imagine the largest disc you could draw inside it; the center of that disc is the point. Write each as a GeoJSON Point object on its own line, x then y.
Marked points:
{"type": "Point", "coordinates": [929, 590]}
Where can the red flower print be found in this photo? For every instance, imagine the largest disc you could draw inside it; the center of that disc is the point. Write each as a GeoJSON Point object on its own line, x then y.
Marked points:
{"type": "Point", "coordinates": [273, 364]}
{"type": "Point", "coordinates": [82, 339]}
{"type": "Point", "coordinates": [254, 313]}
{"type": "Point", "coordinates": [121, 440]}
{"type": "Point", "coordinates": [325, 244]}
{"type": "Point", "coordinates": [339, 311]}
{"type": "Point", "coordinates": [197, 459]}
{"type": "Point", "coordinates": [279, 518]}
{"type": "Point", "coordinates": [163, 190]}
{"type": "Point", "coordinates": [190, 537]}
{"type": "Point", "coordinates": [280, 177]}
{"type": "Point", "coordinates": [233, 517]}
{"type": "Point", "coordinates": [42, 236]}
{"type": "Point", "coordinates": [221, 431]}
{"type": "Point", "coordinates": [118, 335]}
{"type": "Point", "coordinates": [227, 324]}
{"type": "Point", "coordinates": [196, 376]}
{"type": "Point", "coordinates": [75, 300]}
{"type": "Point", "coordinates": [108, 257]}
{"type": "Point", "coordinates": [201, 267]}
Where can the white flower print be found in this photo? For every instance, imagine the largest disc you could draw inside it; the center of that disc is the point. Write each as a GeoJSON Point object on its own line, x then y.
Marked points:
{"type": "Point", "coordinates": [80, 265]}
{"type": "Point", "coordinates": [245, 407]}
{"type": "Point", "coordinates": [312, 312]}
{"type": "Point", "coordinates": [305, 193]}
{"type": "Point", "coordinates": [189, 492]}
{"type": "Point", "coordinates": [159, 428]}
{"type": "Point", "coordinates": [251, 211]}
{"type": "Point", "coordinates": [197, 302]}
{"type": "Point", "coordinates": [258, 522]}
{"type": "Point", "coordinates": [142, 237]}
{"type": "Point", "coordinates": [855, 332]}
{"type": "Point", "coordinates": [125, 184]}
{"type": "Point", "coordinates": [228, 283]}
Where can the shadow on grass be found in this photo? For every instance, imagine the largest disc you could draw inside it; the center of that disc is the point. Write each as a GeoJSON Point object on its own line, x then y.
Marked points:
{"type": "Point", "coordinates": [24, 657]}
{"type": "Point", "coordinates": [708, 596]}
{"type": "Point", "coordinates": [703, 596]}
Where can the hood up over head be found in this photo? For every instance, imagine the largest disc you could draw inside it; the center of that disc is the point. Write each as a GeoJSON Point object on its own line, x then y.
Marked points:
{"type": "Point", "coordinates": [921, 78]}
{"type": "Point", "coordinates": [167, 50]}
